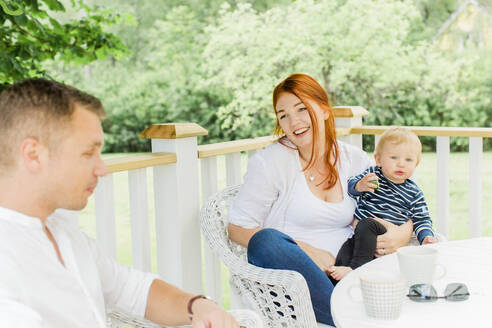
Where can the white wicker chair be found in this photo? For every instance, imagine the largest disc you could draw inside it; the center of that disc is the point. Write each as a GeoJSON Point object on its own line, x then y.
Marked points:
{"type": "Point", "coordinates": [117, 319]}
{"type": "Point", "coordinates": [280, 296]}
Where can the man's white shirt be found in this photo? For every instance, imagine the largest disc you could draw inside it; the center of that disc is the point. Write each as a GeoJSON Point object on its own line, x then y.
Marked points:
{"type": "Point", "coordinates": [36, 290]}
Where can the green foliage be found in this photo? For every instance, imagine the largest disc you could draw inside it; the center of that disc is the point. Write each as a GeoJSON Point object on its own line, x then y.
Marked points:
{"type": "Point", "coordinates": [356, 50]}
{"type": "Point", "coordinates": [30, 34]}
{"type": "Point", "coordinates": [216, 63]}
{"type": "Point", "coordinates": [363, 54]}
{"type": "Point", "coordinates": [432, 15]}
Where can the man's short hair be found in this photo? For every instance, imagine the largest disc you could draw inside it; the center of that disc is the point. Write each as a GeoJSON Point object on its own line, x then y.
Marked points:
{"type": "Point", "coordinates": [41, 109]}
{"type": "Point", "coordinates": [398, 135]}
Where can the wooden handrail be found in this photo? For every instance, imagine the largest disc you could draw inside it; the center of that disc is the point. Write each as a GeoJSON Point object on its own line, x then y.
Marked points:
{"type": "Point", "coordinates": [429, 131]}
{"type": "Point", "coordinates": [350, 111]}
{"type": "Point", "coordinates": [139, 161]}
{"type": "Point", "coordinates": [231, 147]}
{"type": "Point", "coordinates": [173, 131]}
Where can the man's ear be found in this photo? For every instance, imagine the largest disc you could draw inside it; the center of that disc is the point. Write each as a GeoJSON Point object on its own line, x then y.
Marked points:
{"type": "Point", "coordinates": [32, 154]}
{"type": "Point", "coordinates": [377, 159]}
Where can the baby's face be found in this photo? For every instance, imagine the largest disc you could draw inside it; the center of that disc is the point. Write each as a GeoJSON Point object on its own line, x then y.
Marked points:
{"type": "Point", "coordinates": [398, 161]}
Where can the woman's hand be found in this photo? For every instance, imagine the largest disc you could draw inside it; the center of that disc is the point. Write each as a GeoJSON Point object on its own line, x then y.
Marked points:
{"type": "Point", "coordinates": [394, 238]}
{"type": "Point", "coordinates": [323, 259]}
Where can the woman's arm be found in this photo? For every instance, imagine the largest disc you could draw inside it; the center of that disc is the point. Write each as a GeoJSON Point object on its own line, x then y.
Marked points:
{"type": "Point", "coordinates": [394, 238]}
{"type": "Point", "coordinates": [253, 204]}
{"type": "Point", "coordinates": [323, 259]}
{"type": "Point", "coordinates": [241, 235]}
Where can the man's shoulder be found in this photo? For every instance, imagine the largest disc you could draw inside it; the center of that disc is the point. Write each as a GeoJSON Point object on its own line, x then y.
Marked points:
{"type": "Point", "coordinates": [12, 233]}
{"type": "Point", "coordinates": [13, 249]}
{"type": "Point", "coordinates": [10, 238]}
{"type": "Point", "coordinates": [67, 222]}
{"type": "Point", "coordinates": [65, 218]}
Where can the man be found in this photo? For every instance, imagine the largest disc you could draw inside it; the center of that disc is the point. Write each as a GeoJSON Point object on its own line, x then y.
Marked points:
{"type": "Point", "coordinates": [53, 275]}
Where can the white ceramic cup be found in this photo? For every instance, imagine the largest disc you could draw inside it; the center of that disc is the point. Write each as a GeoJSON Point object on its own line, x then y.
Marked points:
{"type": "Point", "coordinates": [418, 264]}
{"type": "Point", "coordinates": [382, 293]}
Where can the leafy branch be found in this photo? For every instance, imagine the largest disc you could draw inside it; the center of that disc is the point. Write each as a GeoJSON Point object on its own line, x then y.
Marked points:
{"type": "Point", "coordinates": [8, 11]}
{"type": "Point", "coordinates": [33, 36]}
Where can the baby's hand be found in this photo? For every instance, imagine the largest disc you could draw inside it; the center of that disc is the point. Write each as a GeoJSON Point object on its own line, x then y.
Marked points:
{"type": "Point", "coordinates": [429, 240]}
{"type": "Point", "coordinates": [368, 183]}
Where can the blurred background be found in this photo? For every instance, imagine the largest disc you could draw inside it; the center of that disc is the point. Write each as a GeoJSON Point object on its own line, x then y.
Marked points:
{"type": "Point", "coordinates": [215, 62]}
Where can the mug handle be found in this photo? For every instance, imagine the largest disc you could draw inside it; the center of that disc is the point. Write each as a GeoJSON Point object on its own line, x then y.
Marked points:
{"type": "Point", "coordinates": [349, 292]}
{"type": "Point", "coordinates": [443, 273]}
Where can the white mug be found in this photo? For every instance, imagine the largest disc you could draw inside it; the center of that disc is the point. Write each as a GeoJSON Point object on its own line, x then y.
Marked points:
{"type": "Point", "coordinates": [382, 293]}
{"type": "Point", "coordinates": [418, 264]}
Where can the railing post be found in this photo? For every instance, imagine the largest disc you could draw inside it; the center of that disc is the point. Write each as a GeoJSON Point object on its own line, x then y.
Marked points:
{"type": "Point", "coordinates": [167, 228]}
{"type": "Point", "coordinates": [139, 214]}
{"type": "Point", "coordinates": [442, 184]}
{"type": "Point", "coordinates": [213, 276]}
{"type": "Point", "coordinates": [349, 117]}
{"type": "Point", "coordinates": [105, 219]}
{"type": "Point", "coordinates": [181, 216]}
{"type": "Point", "coordinates": [475, 194]}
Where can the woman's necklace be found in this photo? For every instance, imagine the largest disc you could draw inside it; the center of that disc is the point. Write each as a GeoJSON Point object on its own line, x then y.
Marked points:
{"type": "Point", "coordinates": [313, 175]}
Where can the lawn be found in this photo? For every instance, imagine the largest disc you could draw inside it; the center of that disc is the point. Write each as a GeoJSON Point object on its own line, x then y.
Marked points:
{"type": "Point", "coordinates": [426, 178]}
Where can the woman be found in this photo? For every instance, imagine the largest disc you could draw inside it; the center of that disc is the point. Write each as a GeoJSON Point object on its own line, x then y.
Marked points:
{"type": "Point", "coordinates": [293, 211]}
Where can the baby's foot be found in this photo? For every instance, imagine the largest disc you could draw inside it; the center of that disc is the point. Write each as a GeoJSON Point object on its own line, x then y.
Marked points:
{"type": "Point", "coordinates": [338, 272]}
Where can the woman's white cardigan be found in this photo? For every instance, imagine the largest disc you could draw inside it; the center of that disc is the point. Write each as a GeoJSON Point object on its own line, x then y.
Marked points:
{"type": "Point", "coordinates": [270, 180]}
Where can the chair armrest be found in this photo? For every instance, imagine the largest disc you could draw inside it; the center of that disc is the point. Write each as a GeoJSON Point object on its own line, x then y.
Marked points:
{"type": "Point", "coordinates": [280, 295]}
{"type": "Point", "coordinates": [247, 318]}
{"type": "Point", "coordinates": [118, 318]}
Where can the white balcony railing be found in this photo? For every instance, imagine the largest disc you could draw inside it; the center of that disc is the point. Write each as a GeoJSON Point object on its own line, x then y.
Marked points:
{"type": "Point", "coordinates": [175, 161]}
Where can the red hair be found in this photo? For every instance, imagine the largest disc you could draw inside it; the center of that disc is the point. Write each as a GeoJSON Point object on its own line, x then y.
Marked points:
{"type": "Point", "coordinates": [306, 88]}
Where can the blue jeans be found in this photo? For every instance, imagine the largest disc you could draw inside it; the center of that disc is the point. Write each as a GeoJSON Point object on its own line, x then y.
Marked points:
{"type": "Point", "coordinates": [272, 249]}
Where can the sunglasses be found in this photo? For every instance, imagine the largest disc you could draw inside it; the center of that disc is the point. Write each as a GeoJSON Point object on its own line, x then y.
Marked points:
{"type": "Point", "coordinates": [454, 292]}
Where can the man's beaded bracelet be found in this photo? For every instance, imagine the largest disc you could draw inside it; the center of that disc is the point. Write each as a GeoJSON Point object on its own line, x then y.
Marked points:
{"type": "Point", "coordinates": [193, 299]}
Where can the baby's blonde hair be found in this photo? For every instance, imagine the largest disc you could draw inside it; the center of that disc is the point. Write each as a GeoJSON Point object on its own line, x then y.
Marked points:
{"type": "Point", "coordinates": [397, 136]}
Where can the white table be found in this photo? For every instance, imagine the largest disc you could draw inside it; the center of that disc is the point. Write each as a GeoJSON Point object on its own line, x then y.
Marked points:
{"type": "Point", "coordinates": [467, 261]}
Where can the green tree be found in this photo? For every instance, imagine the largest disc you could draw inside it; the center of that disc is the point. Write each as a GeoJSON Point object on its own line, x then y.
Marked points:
{"type": "Point", "coordinates": [361, 51]}
{"type": "Point", "coordinates": [351, 48]}
{"type": "Point", "coordinates": [30, 34]}
{"type": "Point", "coordinates": [217, 65]}
{"type": "Point", "coordinates": [161, 80]}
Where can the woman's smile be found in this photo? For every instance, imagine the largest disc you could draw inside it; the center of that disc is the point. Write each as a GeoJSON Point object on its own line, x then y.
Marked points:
{"type": "Point", "coordinates": [300, 132]}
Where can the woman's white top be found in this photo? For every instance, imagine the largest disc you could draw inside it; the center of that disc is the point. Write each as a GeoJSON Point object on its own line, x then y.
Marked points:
{"type": "Point", "coordinates": [275, 195]}
{"type": "Point", "coordinates": [36, 290]}
{"type": "Point", "coordinates": [324, 225]}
